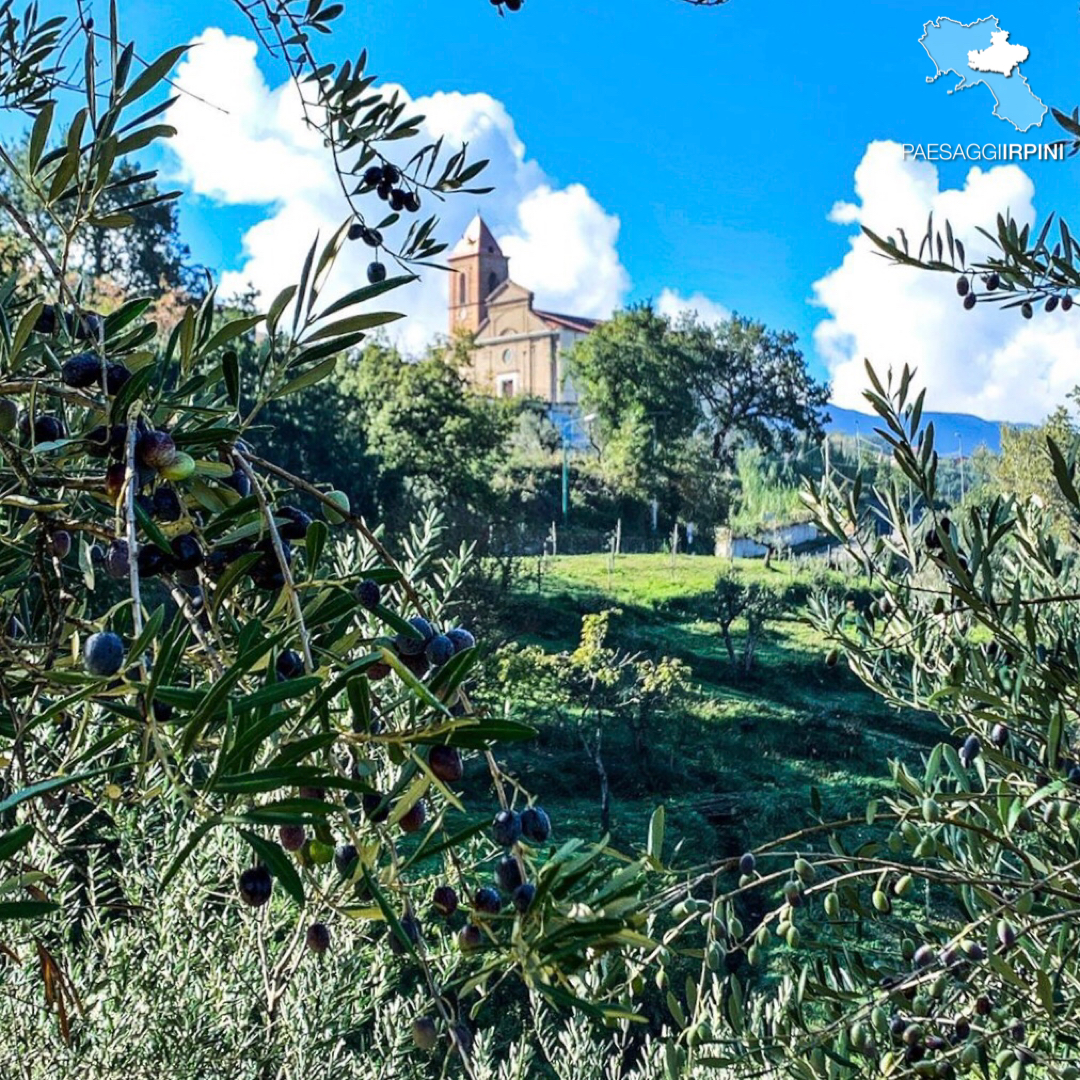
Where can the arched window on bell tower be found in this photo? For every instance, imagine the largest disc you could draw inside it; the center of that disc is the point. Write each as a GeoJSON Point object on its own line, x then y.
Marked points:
{"type": "Point", "coordinates": [493, 281]}
{"type": "Point", "coordinates": [463, 288]}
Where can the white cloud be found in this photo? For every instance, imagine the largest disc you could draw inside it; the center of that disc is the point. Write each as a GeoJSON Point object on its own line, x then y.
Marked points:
{"type": "Point", "coordinates": [672, 304]}
{"type": "Point", "coordinates": [562, 243]}
{"type": "Point", "coordinates": [989, 362]}
{"type": "Point", "coordinates": [563, 247]}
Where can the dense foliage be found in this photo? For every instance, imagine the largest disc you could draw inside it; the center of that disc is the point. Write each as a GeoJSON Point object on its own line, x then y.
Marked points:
{"type": "Point", "coordinates": [675, 402]}
{"type": "Point", "coordinates": [943, 941]}
{"type": "Point", "coordinates": [195, 666]}
{"type": "Point", "coordinates": [240, 744]}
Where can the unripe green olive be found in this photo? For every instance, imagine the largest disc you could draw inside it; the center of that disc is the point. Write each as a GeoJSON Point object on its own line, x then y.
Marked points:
{"type": "Point", "coordinates": [182, 467]}
{"type": "Point", "coordinates": [714, 957]}
{"type": "Point", "coordinates": [319, 853]}
{"type": "Point", "coordinates": [1004, 1059]}
{"type": "Point", "coordinates": [880, 1019]}
{"type": "Point", "coordinates": [341, 501]}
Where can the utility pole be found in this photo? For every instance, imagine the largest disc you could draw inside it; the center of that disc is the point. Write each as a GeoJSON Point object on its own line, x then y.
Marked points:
{"type": "Point", "coordinates": [963, 486]}
{"type": "Point", "coordinates": [565, 478]}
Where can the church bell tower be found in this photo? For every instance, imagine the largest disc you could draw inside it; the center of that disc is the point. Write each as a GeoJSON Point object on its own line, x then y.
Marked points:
{"type": "Point", "coordinates": [478, 268]}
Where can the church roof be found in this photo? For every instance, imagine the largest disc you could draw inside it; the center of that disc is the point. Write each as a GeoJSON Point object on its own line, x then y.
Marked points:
{"type": "Point", "coordinates": [568, 322]}
{"type": "Point", "coordinates": [477, 237]}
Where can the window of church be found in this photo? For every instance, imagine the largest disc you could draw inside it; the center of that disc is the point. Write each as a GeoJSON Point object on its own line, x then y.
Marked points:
{"type": "Point", "coordinates": [463, 285]}
{"type": "Point", "coordinates": [507, 356]}
{"type": "Point", "coordinates": [493, 280]}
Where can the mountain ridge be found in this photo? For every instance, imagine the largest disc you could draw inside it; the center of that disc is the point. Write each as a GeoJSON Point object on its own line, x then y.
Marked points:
{"type": "Point", "coordinates": [954, 433]}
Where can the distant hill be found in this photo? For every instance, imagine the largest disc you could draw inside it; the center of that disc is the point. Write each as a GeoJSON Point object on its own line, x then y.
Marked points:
{"type": "Point", "coordinates": [951, 430]}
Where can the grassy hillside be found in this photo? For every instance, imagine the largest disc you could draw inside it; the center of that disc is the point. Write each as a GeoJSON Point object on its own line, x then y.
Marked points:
{"type": "Point", "coordinates": [740, 758]}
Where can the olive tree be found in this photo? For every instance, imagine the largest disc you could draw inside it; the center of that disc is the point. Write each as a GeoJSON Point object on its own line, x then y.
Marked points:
{"type": "Point", "coordinates": [931, 932]}
{"type": "Point", "coordinates": [184, 646]}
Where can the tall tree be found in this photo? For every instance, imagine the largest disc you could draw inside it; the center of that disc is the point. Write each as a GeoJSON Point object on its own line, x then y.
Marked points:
{"type": "Point", "coordinates": [148, 253]}
{"type": "Point", "coordinates": [1024, 467]}
{"type": "Point", "coordinates": [144, 253]}
{"type": "Point", "coordinates": [674, 402]}
{"type": "Point", "coordinates": [432, 435]}
{"type": "Point", "coordinates": [751, 384]}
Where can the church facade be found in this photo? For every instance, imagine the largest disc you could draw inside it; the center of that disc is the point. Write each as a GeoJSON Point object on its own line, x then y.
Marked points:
{"type": "Point", "coordinates": [519, 350]}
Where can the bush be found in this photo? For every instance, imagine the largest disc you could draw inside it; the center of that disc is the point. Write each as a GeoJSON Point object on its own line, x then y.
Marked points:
{"type": "Point", "coordinates": [932, 932]}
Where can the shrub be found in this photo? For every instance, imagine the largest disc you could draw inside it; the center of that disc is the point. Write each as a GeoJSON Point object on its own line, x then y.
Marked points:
{"type": "Point", "coordinates": [932, 932]}
{"type": "Point", "coordinates": [241, 674]}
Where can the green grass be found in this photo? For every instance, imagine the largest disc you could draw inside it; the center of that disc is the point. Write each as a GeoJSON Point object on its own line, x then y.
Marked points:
{"type": "Point", "coordinates": [738, 761]}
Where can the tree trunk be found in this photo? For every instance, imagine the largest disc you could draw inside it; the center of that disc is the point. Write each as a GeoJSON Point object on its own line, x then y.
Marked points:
{"type": "Point", "coordinates": [605, 793]}
{"type": "Point", "coordinates": [750, 647]}
{"type": "Point", "coordinates": [726, 631]}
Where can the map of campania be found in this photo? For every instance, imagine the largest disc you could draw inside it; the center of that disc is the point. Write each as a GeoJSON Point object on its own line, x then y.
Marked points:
{"type": "Point", "coordinates": [981, 53]}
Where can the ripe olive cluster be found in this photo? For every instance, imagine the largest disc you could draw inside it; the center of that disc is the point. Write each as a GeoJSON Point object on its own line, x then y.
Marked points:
{"type": "Point", "coordinates": [171, 519]}
{"type": "Point", "coordinates": [79, 325]}
{"type": "Point", "coordinates": [992, 282]}
{"type": "Point", "coordinates": [476, 921]}
{"type": "Point", "coordinates": [422, 650]}
{"type": "Point", "coordinates": [387, 182]}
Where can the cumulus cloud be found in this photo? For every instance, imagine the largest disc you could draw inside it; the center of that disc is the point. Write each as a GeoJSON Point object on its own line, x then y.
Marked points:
{"type": "Point", "coordinates": [564, 247]}
{"type": "Point", "coordinates": [989, 362]}
{"type": "Point", "coordinates": [673, 305]}
{"type": "Point", "coordinates": [562, 242]}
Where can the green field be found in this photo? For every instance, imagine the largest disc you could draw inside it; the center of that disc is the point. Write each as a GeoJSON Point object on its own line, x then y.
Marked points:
{"type": "Point", "coordinates": [740, 758]}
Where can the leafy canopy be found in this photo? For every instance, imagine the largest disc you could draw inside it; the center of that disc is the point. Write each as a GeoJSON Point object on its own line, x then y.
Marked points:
{"type": "Point", "coordinates": [658, 385]}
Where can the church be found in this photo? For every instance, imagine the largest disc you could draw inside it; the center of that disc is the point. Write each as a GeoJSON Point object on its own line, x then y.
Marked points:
{"type": "Point", "coordinates": [519, 349]}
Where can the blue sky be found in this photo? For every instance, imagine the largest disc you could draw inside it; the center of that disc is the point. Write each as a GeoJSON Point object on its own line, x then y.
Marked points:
{"type": "Point", "coordinates": [719, 138]}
